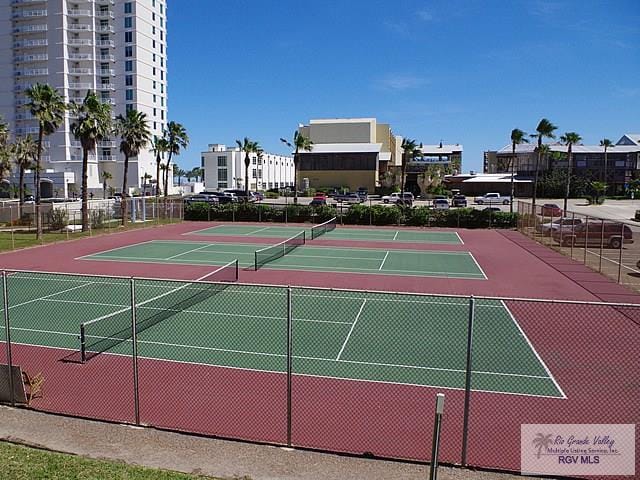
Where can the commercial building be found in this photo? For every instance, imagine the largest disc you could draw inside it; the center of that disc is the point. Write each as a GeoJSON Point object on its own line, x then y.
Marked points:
{"type": "Point", "coordinates": [432, 165]}
{"type": "Point", "coordinates": [114, 47]}
{"type": "Point", "coordinates": [224, 168]}
{"type": "Point", "coordinates": [622, 167]}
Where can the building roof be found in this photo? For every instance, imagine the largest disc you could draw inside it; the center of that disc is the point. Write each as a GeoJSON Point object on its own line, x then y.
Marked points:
{"type": "Point", "coordinates": [485, 178]}
{"type": "Point", "coordinates": [629, 138]}
{"type": "Point", "coordinates": [345, 148]}
{"type": "Point", "coordinates": [440, 149]}
{"type": "Point", "coordinates": [557, 147]}
{"type": "Point", "coordinates": [341, 120]}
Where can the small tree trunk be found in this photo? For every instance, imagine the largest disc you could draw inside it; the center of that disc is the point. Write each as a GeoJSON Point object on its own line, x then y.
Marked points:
{"type": "Point", "coordinates": [513, 161]}
{"type": "Point", "coordinates": [85, 193]}
{"type": "Point", "coordinates": [295, 177]}
{"type": "Point", "coordinates": [566, 193]}
{"type": "Point", "coordinates": [535, 180]}
{"type": "Point", "coordinates": [166, 175]}
{"type": "Point", "coordinates": [247, 164]}
{"type": "Point", "coordinates": [21, 189]}
{"type": "Point", "coordinates": [37, 180]}
{"type": "Point", "coordinates": [123, 202]}
{"type": "Point", "coordinates": [157, 178]}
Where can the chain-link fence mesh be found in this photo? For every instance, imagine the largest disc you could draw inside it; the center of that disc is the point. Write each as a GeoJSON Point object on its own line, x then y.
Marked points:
{"type": "Point", "coordinates": [345, 371]}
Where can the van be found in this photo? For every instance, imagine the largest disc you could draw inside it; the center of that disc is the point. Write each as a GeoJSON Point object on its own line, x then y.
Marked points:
{"type": "Point", "coordinates": [607, 234]}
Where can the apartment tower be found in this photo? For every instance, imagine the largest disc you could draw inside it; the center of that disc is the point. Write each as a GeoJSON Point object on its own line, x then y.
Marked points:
{"type": "Point", "coordinates": [117, 48]}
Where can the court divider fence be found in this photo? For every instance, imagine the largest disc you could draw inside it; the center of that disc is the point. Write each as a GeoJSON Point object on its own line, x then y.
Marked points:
{"type": "Point", "coordinates": [63, 220]}
{"type": "Point", "coordinates": [338, 370]}
{"type": "Point", "coordinates": [610, 247]}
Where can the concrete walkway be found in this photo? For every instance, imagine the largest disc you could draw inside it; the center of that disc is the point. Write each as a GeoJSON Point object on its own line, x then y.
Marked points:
{"type": "Point", "coordinates": [206, 456]}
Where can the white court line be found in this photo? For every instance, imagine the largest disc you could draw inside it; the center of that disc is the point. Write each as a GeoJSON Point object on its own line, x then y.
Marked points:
{"type": "Point", "coordinates": [384, 260]}
{"type": "Point", "coordinates": [459, 238]}
{"type": "Point", "coordinates": [478, 265]}
{"type": "Point", "coordinates": [114, 249]}
{"type": "Point", "coordinates": [353, 325]}
{"type": "Point", "coordinates": [52, 295]}
{"type": "Point", "coordinates": [535, 352]}
{"type": "Point", "coordinates": [396, 235]}
{"type": "Point", "coordinates": [203, 229]}
{"type": "Point", "coordinates": [188, 251]}
{"type": "Point", "coordinates": [256, 231]}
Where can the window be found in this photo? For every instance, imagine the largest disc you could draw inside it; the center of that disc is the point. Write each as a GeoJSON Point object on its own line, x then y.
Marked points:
{"type": "Point", "coordinates": [128, 37]}
{"type": "Point", "coordinates": [153, 43]}
{"type": "Point", "coordinates": [129, 95]}
{"type": "Point", "coordinates": [161, 35]}
{"type": "Point", "coordinates": [161, 48]}
{"type": "Point", "coordinates": [259, 173]}
{"type": "Point", "coordinates": [128, 51]}
{"type": "Point", "coordinates": [161, 8]}
{"type": "Point", "coordinates": [153, 16]}
{"type": "Point", "coordinates": [162, 101]}
{"type": "Point", "coordinates": [222, 174]}
{"type": "Point", "coordinates": [154, 71]}
{"type": "Point", "coordinates": [154, 112]}
{"type": "Point", "coordinates": [128, 7]}
{"type": "Point", "coordinates": [161, 62]}
{"type": "Point", "coordinates": [161, 75]}
{"type": "Point", "coordinates": [128, 22]}
{"type": "Point", "coordinates": [254, 161]}
{"type": "Point", "coordinates": [161, 22]}
{"type": "Point", "coordinates": [154, 84]}
{"type": "Point", "coordinates": [129, 107]}
{"type": "Point", "coordinates": [222, 161]}
{"type": "Point", "coordinates": [128, 80]}
{"type": "Point", "coordinates": [154, 99]}
{"type": "Point", "coordinates": [128, 66]}
{"type": "Point", "coordinates": [222, 185]}
{"type": "Point", "coordinates": [153, 30]}
{"type": "Point", "coordinates": [162, 88]}
{"type": "Point", "coordinates": [255, 172]}
{"type": "Point", "coordinates": [155, 126]}
{"type": "Point", "coordinates": [162, 114]}
{"type": "Point", "coordinates": [154, 58]}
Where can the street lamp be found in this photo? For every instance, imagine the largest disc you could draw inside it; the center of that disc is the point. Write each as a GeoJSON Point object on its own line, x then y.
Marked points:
{"type": "Point", "coordinates": [295, 186]}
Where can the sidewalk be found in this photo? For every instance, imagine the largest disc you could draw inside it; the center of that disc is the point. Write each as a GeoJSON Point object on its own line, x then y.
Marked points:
{"type": "Point", "coordinates": [206, 456]}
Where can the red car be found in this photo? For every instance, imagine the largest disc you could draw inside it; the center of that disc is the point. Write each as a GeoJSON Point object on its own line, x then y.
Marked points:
{"type": "Point", "coordinates": [550, 210]}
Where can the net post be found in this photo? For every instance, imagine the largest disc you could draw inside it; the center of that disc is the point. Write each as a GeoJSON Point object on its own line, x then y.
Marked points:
{"type": "Point", "coordinates": [83, 344]}
{"type": "Point", "coordinates": [7, 329]}
{"type": "Point", "coordinates": [467, 386]}
{"type": "Point", "coordinates": [620, 253]}
{"type": "Point", "coordinates": [289, 363]}
{"type": "Point", "coordinates": [237, 270]}
{"type": "Point", "coordinates": [255, 254]}
{"type": "Point", "coordinates": [134, 341]}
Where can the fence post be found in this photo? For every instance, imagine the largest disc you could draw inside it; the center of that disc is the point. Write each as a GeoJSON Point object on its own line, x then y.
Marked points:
{"type": "Point", "coordinates": [13, 240]}
{"type": "Point", "coordinates": [620, 253]}
{"type": "Point", "coordinates": [467, 386]}
{"type": "Point", "coordinates": [289, 363]}
{"type": "Point", "coordinates": [586, 234]}
{"type": "Point", "coordinates": [7, 331]}
{"type": "Point", "coordinates": [573, 216]}
{"type": "Point", "coordinates": [134, 340]}
{"type": "Point", "coordinates": [601, 244]}
{"type": "Point", "coordinates": [435, 443]}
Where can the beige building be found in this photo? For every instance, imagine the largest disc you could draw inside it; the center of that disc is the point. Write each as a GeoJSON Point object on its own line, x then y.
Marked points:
{"type": "Point", "coordinates": [348, 152]}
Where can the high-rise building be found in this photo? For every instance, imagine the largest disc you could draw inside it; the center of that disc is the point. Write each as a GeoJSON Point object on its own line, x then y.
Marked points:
{"type": "Point", "coordinates": [117, 48]}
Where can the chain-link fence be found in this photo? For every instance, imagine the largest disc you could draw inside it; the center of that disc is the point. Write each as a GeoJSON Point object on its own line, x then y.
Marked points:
{"type": "Point", "coordinates": [63, 220]}
{"type": "Point", "coordinates": [338, 370]}
{"type": "Point", "coordinates": [607, 246]}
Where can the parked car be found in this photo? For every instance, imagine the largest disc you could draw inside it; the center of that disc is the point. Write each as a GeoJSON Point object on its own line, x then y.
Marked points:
{"type": "Point", "coordinates": [222, 197]}
{"type": "Point", "coordinates": [565, 223]}
{"type": "Point", "coordinates": [406, 198]}
{"type": "Point", "coordinates": [363, 193]}
{"type": "Point", "coordinates": [459, 201]}
{"type": "Point", "coordinates": [241, 195]}
{"type": "Point", "coordinates": [550, 210]}
{"type": "Point", "coordinates": [492, 199]}
{"type": "Point", "coordinates": [441, 204]}
{"type": "Point", "coordinates": [350, 198]}
{"type": "Point", "coordinates": [258, 196]}
{"type": "Point", "coordinates": [491, 209]}
{"type": "Point", "coordinates": [318, 201]}
{"type": "Point", "coordinates": [609, 234]}
{"type": "Point", "coordinates": [210, 199]}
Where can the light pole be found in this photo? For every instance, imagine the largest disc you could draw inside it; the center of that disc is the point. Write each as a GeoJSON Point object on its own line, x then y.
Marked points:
{"type": "Point", "coordinates": [295, 183]}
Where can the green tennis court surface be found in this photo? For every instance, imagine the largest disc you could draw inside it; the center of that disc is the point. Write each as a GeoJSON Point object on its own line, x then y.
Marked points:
{"type": "Point", "coordinates": [378, 337]}
{"type": "Point", "coordinates": [374, 235]}
{"type": "Point", "coordinates": [325, 259]}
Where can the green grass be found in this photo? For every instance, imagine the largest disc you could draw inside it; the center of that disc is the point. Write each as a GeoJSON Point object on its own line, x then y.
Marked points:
{"type": "Point", "coordinates": [22, 463]}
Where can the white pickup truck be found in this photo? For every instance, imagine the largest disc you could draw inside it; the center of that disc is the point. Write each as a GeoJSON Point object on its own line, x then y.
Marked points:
{"type": "Point", "coordinates": [492, 198]}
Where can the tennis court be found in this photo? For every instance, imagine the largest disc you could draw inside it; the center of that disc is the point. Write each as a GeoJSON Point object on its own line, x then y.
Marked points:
{"type": "Point", "coordinates": [323, 259]}
{"type": "Point", "coordinates": [374, 337]}
{"type": "Point", "coordinates": [361, 234]}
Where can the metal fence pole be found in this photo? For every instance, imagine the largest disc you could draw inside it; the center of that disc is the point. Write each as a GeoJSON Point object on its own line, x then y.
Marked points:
{"type": "Point", "coordinates": [573, 216]}
{"type": "Point", "coordinates": [13, 240]}
{"type": "Point", "coordinates": [134, 340]}
{"type": "Point", "coordinates": [467, 386]}
{"type": "Point", "coordinates": [586, 235]}
{"type": "Point", "coordinates": [289, 363]}
{"type": "Point", "coordinates": [601, 244]}
{"type": "Point", "coordinates": [620, 253]}
{"type": "Point", "coordinates": [7, 331]}
{"type": "Point", "coordinates": [435, 445]}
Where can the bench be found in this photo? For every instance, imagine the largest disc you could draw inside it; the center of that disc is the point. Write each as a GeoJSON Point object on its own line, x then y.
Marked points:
{"type": "Point", "coordinates": [26, 387]}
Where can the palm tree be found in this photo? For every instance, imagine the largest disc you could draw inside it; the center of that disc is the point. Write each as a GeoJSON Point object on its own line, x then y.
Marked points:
{"type": "Point", "coordinates": [133, 130]}
{"type": "Point", "coordinates": [47, 105]}
{"type": "Point", "coordinates": [92, 125]}
{"type": "Point", "coordinates": [409, 151]}
{"type": "Point", "coordinates": [517, 138]}
{"type": "Point", "coordinates": [105, 176]}
{"type": "Point", "coordinates": [569, 139]}
{"type": "Point", "coordinates": [178, 172]}
{"type": "Point", "coordinates": [177, 139]}
{"type": "Point", "coordinates": [300, 142]}
{"type": "Point", "coordinates": [163, 173]}
{"type": "Point", "coordinates": [160, 146]}
{"type": "Point", "coordinates": [542, 441]}
{"type": "Point", "coordinates": [4, 132]}
{"type": "Point", "coordinates": [248, 147]}
{"type": "Point", "coordinates": [24, 154]}
{"type": "Point", "coordinates": [544, 129]}
{"type": "Point", "coordinates": [606, 143]}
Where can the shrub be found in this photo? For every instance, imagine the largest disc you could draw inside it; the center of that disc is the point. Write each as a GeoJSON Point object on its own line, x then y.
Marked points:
{"type": "Point", "coordinates": [58, 219]}
{"type": "Point", "coordinates": [97, 219]}
{"type": "Point", "coordinates": [271, 195]}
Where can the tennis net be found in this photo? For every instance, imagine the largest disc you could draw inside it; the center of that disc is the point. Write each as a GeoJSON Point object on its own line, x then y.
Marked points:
{"type": "Point", "coordinates": [268, 254]}
{"type": "Point", "coordinates": [103, 333]}
{"type": "Point", "coordinates": [323, 228]}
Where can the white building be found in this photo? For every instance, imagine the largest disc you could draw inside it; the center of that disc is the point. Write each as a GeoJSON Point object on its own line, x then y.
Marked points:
{"type": "Point", "coordinates": [224, 168]}
{"type": "Point", "coordinates": [117, 48]}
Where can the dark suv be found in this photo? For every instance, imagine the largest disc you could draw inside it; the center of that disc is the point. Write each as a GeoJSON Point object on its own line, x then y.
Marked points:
{"type": "Point", "coordinates": [609, 234]}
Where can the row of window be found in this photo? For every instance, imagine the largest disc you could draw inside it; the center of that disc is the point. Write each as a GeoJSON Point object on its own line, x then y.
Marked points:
{"type": "Point", "coordinates": [225, 184]}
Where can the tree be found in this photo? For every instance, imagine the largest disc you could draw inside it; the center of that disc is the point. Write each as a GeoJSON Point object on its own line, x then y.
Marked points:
{"type": "Point", "coordinates": [24, 154]}
{"type": "Point", "coordinates": [178, 172]}
{"type": "Point", "coordinates": [517, 138]}
{"type": "Point", "coordinates": [544, 129]}
{"type": "Point", "coordinates": [105, 177]}
{"type": "Point", "coordinates": [48, 107]}
{"type": "Point", "coordinates": [410, 150]}
{"type": "Point", "coordinates": [248, 147]}
{"type": "Point", "coordinates": [93, 124]}
{"type": "Point", "coordinates": [133, 130]}
{"type": "Point", "coordinates": [606, 143]}
{"type": "Point", "coordinates": [164, 170]}
{"type": "Point", "coordinates": [569, 139]}
{"type": "Point", "coordinates": [160, 146]}
{"type": "Point", "coordinates": [598, 188]}
{"type": "Point", "coordinates": [301, 143]}
{"type": "Point", "coordinates": [177, 139]}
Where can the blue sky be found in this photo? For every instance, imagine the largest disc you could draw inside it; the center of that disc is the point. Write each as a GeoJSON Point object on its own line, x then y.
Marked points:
{"type": "Point", "coordinates": [460, 71]}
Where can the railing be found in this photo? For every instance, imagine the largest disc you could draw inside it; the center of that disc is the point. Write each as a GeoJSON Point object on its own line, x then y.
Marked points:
{"type": "Point", "coordinates": [40, 42]}
{"type": "Point", "coordinates": [80, 41]}
{"type": "Point", "coordinates": [29, 13]}
{"type": "Point", "coordinates": [74, 12]}
{"type": "Point", "coordinates": [80, 56]}
{"type": "Point", "coordinates": [31, 58]}
{"type": "Point", "coordinates": [30, 29]}
{"type": "Point", "coordinates": [81, 71]}
{"type": "Point", "coordinates": [105, 43]}
{"type": "Point", "coordinates": [79, 27]}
